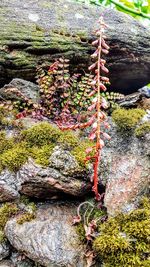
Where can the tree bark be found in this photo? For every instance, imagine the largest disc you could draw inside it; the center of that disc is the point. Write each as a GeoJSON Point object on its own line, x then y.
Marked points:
{"type": "Point", "coordinates": [37, 31]}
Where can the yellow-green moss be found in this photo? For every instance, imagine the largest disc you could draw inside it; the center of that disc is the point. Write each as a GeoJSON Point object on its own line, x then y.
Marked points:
{"type": "Point", "coordinates": [127, 119]}
{"type": "Point", "coordinates": [41, 134]}
{"type": "Point", "coordinates": [42, 154]}
{"type": "Point", "coordinates": [68, 139]}
{"type": "Point", "coordinates": [2, 236]}
{"type": "Point", "coordinates": [79, 151]}
{"type": "Point", "coordinates": [14, 158]}
{"type": "Point", "coordinates": [6, 211]}
{"type": "Point", "coordinates": [5, 143]}
{"type": "Point", "coordinates": [124, 240]}
{"type": "Point", "coordinates": [26, 217]}
{"type": "Point", "coordinates": [142, 129]}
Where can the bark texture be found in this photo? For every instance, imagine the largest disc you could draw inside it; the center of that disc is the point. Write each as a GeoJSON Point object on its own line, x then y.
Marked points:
{"type": "Point", "coordinates": [37, 31]}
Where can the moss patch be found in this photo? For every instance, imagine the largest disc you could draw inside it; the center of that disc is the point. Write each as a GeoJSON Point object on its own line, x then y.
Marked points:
{"type": "Point", "coordinates": [14, 158]}
{"type": "Point", "coordinates": [41, 134]}
{"type": "Point", "coordinates": [41, 155]}
{"type": "Point", "coordinates": [79, 151]}
{"type": "Point", "coordinates": [124, 240]}
{"type": "Point", "coordinates": [142, 129]}
{"type": "Point", "coordinates": [125, 119]}
{"type": "Point", "coordinates": [38, 142]}
{"type": "Point", "coordinates": [7, 210]}
{"type": "Point", "coordinates": [26, 217]}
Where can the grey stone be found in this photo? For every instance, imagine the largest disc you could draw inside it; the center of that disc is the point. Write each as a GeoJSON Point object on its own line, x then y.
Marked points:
{"type": "Point", "coordinates": [6, 263]}
{"type": "Point", "coordinates": [126, 173]}
{"type": "Point", "coordinates": [25, 88]}
{"type": "Point", "coordinates": [38, 31]}
{"type": "Point", "coordinates": [49, 182]}
{"type": "Point", "coordinates": [50, 239]}
{"type": "Point", "coordinates": [8, 186]}
{"type": "Point", "coordinates": [4, 250]}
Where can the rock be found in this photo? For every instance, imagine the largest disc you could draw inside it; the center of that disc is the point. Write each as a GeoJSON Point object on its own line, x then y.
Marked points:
{"type": "Point", "coordinates": [36, 32]}
{"type": "Point", "coordinates": [50, 239]}
{"type": "Point", "coordinates": [63, 176]}
{"type": "Point", "coordinates": [48, 183]}
{"type": "Point", "coordinates": [20, 260]}
{"type": "Point", "coordinates": [127, 174]}
{"type": "Point", "coordinates": [6, 263]}
{"type": "Point", "coordinates": [4, 250]}
{"type": "Point", "coordinates": [63, 161]}
{"type": "Point", "coordinates": [26, 88]}
{"type": "Point", "coordinates": [145, 91]}
{"type": "Point", "coordinates": [8, 186]}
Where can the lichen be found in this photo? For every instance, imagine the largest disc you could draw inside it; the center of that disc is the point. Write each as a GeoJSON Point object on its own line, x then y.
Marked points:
{"type": "Point", "coordinates": [125, 119]}
{"type": "Point", "coordinates": [142, 130]}
{"type": "Point", "coordinates": [124, 240]}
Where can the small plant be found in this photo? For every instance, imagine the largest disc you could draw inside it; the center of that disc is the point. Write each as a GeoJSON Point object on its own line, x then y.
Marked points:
{"type": "Point", "coordinates": [98, 102]}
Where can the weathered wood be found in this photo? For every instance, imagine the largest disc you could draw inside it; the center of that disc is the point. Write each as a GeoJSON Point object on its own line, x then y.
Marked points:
{"type": "Point", "coordinates": [37, 31]}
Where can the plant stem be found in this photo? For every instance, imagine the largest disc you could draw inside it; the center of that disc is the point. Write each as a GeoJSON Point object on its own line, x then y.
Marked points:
{"type": "Point", "coordinates": [131, 10]}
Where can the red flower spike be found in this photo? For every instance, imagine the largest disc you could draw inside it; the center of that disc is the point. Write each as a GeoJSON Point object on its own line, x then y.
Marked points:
{"type": "Point", "coordinates": [93, 66]}
{"type": "Point", "coordinates": [106, 136]}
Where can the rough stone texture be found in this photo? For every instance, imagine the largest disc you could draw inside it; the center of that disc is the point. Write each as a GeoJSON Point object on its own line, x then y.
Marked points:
{"type": "Point", "coordinates": [8, 186]}
{"type": "Point", "coordinates": [63, 161]}
{"type": "Point", "coordinates": [126, 172]}
{"type": "Point", "coordinates": [4, 250]}
{"type": "Point", "coordinates": [26, 88]}
{"type": "Point", "coordinates": [50, 183]}
{"type": "Point", "coordinates": [37, 31]}
{"type": "Point", "coordinates": [50, 239]}
{"type": "Point", "coordinates": [6, 263]}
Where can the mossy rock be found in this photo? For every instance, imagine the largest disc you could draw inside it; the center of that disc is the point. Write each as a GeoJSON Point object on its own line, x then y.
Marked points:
{"type": "Point", "coordinates": [127, 119]}
{"type": "Point", "coordinates": [14, 158]}
{"type": "Point", "coordinates": [79, 151]}
{"type": "Point", "coordinates": [142, 130]}
{"type": "Point", "coordinates": [41, 134]}
{"type": "Point", "coordinates": [124, 240]}
{"type": "Point", "coordinates": [6, 211]}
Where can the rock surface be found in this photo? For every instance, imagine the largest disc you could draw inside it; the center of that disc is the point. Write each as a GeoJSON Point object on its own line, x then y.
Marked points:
{"type": "Point", "coordinates": [33, 32]}
{"type": "Point", "coordinates": [62, 177]}
{"type": "Point", "coordinates": [25, 88]}
{"type": "Point", "coordinates": [49, 182]}
{"type": "Point", "coordinates": [126, 172]}
{"type": "Point", "coordinates": [50, 239]}
{"type": "Point", "coordinates": [8, 186]}
{"type": "Point", "coordinates": [4, 250]}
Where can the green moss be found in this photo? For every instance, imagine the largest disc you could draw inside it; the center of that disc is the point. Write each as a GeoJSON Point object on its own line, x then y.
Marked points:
{"type": "Point", "coordinates": [14, 158]}
{"type": "Point", "coordinates": [125, 119]}
{"type": "Point", "coordinates": [6, 211]}
{"type": "Point", "coordinates": [41, 155]}
{"type": "Point", "coordinates": [26, 217]}
{"type": "Point", "coordinates": [124, 240]}
{"type": "Point", "coordinates": [2, 236]}
{"type": "Point", "coordinates": [79, 152]}
{"type": "Point", "coordinates": [142, 129]}
{"type": "Point", "coordinates": [81, 232]}
{"type": "Point", "coordinates": [68, 139]}
{"type": "Point", "coordinates": [41, 134]}
{"type": "Point", "coordinates": [5, 143]}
